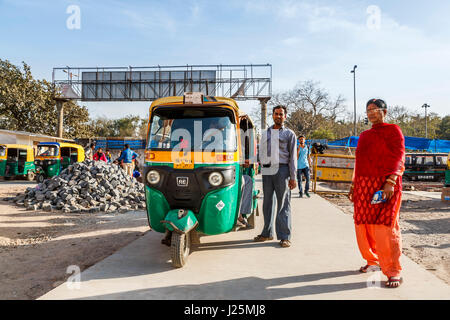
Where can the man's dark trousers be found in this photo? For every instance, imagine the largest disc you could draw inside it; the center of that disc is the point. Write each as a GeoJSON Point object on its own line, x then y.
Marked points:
{"type": "Point", "coordinates": [305, 172]}
{"type": "Point", "coordinates": [278, 184]}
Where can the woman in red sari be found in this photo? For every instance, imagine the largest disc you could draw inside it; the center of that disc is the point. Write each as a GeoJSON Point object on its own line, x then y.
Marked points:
{"type": "Point", "coordinates": [380, 158]}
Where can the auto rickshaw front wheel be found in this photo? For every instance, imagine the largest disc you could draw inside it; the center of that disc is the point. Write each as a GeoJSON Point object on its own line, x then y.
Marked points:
{"type": "Point", "coordinates": [40, 178]}
{"type": "Point", "coordinates": [180, 248]}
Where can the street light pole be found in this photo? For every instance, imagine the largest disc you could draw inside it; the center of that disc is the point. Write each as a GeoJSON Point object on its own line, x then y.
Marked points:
{"type": "Point", "coordinates": [354, 100]}
{"type": "Point", "coordinates": [426, 106]}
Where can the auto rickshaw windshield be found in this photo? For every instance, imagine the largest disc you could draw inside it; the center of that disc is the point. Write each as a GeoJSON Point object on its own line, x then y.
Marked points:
{"type": "Point", "coordinates": [2, 151]}
{"type": "Point", "coordinates": [199, 129]}
{"type": "Point", "coordinates": [47, 151]}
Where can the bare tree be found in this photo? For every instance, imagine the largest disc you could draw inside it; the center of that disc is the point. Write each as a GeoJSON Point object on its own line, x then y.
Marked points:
{"type": "Point", "coordinates": [310, 107]}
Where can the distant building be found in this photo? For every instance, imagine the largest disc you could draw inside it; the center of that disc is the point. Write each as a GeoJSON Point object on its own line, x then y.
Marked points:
{"type": "Point", "coordinates": [27, 138]}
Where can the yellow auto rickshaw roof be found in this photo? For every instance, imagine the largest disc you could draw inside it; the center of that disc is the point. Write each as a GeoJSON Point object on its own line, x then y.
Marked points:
{"type": "Point", "coordinates": [174, 100]}
{"type": "Point", "coordinates": [179, 100]}
{"type": "Point", "coordinates": [72, 145]}
{"type": "Point", "coordinates": [17, 146]}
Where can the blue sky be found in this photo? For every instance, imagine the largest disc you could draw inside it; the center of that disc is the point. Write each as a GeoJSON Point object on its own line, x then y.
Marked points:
{"type": "Point", "coordinates": [404, 59]}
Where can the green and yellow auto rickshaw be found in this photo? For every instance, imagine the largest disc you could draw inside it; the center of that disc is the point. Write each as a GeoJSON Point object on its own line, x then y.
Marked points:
{"type": "Point", "coordinates": [53, 157]}
{"type": "Point", "coordinates": [198, 150]}
{"type": "Point", "coordinates": [17, 160]}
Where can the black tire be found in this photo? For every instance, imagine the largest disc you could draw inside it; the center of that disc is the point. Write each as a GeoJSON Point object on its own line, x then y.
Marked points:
{"type": "Point", "coordinates": [31, 175]}
{"type": "Point", "coordinates": [40, 178]}
{"type": "Point", "coordinates": [7, 178]}
{"type": "Point", "coordinates": [180, 248]}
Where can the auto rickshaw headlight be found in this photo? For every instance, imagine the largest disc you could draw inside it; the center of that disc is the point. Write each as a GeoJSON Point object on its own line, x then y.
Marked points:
{"type": "Point", "coordinates": [215, 179]}
{"type": "Point", "coordinates": [153, 177]}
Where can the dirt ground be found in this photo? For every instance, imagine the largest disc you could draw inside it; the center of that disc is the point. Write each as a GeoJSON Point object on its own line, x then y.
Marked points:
{"type": "Point", "coordinates": [36, 248]}
{"type": "Point", "coordinates": [425, 227]}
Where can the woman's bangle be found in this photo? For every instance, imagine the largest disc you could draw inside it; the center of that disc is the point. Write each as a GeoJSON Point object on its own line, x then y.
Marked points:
{"type": "Point", "coordinates": [390, 181]}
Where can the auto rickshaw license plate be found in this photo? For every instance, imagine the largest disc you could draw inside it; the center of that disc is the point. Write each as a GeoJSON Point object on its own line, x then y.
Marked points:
{"type": "Point", "coordinates": [183, 163]}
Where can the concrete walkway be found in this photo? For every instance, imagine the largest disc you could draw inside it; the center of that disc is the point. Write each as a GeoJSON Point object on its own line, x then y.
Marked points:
{"type": "Point", "coordinates": [320, 264]}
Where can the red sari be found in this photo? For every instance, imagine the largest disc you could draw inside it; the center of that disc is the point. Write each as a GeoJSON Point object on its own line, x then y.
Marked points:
{"type": "Point", "coordinates": [380, 153]}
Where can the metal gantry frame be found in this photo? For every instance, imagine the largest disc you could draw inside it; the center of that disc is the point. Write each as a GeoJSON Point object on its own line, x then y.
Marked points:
{"type": "Point", "coordinates": [241, 82]}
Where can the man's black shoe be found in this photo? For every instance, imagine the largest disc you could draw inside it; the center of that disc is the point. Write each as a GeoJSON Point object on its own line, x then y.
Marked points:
{"type": "Point", "coordinates": [307, 194]}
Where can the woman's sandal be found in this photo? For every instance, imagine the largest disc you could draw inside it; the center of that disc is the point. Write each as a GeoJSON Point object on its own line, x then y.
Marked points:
{"type": "Point", "coordinates": [369, 268]}
{"type": "Point", "coordinates": [244, 223]}
{"type": "Point", "coordinates": [240, 224]}
{"type": "Point", "coordinates": [394, 282]}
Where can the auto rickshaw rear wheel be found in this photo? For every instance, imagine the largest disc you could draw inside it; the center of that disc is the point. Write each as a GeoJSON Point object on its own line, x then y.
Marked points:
{"type": "Point", "coordinates": [180, 248]}
{"type": "Point", "coordinates": [40, 178]}
{"type": "Point", "coordinates": [30, 176]}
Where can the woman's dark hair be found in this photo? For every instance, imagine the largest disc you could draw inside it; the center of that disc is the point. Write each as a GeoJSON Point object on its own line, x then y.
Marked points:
{"type": "Point", "coordinates": [280, 106]}
{"type": "Point", "coordinates": [378, 102]}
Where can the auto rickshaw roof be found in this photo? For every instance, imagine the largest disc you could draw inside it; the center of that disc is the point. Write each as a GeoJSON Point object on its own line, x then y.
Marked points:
{"type": "Point", "coordinates": [72, 145]}
{"type": "Point", "coordinates": [425, 154]}
{"type": "Point", "coordinates": [211, 101]}
{"type": "Point", "coordinates": [61, 144]}
{"type": "Point", "coordinates": [48, 144]}
{"type": "Point", "coordinates": [16, 146]}
{"type": "Point", "coordinates": [178, 100]}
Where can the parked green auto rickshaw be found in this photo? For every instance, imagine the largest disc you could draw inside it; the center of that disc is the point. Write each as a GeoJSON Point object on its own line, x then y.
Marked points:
{"type": "Point", "coordinates": [193, 176]}
{"type": "Point", "coordinates": [53, 157]}
{"type": "Point", "coordinates": [17, 160]}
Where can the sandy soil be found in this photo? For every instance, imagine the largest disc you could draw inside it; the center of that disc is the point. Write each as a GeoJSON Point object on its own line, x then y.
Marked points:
{"type": "Point", "coordinates": [425, 226]}
{"type": "Point", "coordinates": [36, 248]}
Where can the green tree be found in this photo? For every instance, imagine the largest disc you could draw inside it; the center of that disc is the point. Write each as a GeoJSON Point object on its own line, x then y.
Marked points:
{"type": "Point", "coordinates": [443, 131]}
{"type": "Point", "coordinates": [322, 133]}
{"type": "Point", "coordinates": [28, 104]}
{"type": "Point", "coordinates": [128, 126]}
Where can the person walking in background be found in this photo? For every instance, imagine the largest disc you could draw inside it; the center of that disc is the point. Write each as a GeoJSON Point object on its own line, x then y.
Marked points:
{"type": "Point", "coordinates": [137, 171]}
{"type": "Point", "coordinates": [303, 165]}
{"type": "Point", "coordinates": [99, 155]}
{"type": "Point", "coordinates": [280, 182]}
{"type": "Point", "coordinates": [108, 156]}
{"type": "Point", "coordinates": [89, 154]}
{"type": "Point", "coordinates": [379, 165]}
{"type": "Point", "coordinates": [127, 158]}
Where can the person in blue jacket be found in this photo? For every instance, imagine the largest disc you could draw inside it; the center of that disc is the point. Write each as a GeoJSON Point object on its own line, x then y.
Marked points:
{"type": "Point", "coordinates": [126, 159]}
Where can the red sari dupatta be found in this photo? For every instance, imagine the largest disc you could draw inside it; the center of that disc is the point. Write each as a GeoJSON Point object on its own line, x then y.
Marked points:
{"type": "Point", "coordinates": [380, 153]}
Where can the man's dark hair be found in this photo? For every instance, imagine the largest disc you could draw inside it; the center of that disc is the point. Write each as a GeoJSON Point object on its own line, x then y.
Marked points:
{"type": "Point", "coordinates": [301, 136]}
{"type": "Point", "coordinates": [127, 146]}
{"type": "Point", "coordinates": [92, 145]}
{"type": "Point", "coordinates": [278, 107]}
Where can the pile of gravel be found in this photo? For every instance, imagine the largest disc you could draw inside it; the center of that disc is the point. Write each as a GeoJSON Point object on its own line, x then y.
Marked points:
{"type": "Point", "coordinates": [86, 187]}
